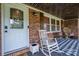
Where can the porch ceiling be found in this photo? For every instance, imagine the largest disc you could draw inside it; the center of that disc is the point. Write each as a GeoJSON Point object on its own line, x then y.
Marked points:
{"type": "Point", "coordinates": [63, 10]}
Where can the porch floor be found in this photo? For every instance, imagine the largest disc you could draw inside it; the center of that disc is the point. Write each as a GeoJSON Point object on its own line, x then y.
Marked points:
{"type": "Point", "coordinates": [70, 47]}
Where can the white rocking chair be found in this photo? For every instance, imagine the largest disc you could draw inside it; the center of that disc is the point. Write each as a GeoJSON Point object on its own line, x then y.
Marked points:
{"type": "Point", "coordinates": [46, 45]}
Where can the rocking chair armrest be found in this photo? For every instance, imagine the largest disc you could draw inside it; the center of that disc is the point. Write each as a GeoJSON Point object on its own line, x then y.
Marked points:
{"type": "Point", "coordinates": [51, 38]}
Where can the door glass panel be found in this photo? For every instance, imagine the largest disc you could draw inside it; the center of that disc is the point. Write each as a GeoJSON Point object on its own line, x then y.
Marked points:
{"type": "Point", "coordinates": [16, 18]}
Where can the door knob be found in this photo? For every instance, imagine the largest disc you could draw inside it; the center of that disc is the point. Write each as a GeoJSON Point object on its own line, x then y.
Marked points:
{"type": "Point", "coordinates": [6, 27]}
{"type": "Point", "coordinates": [6, 31]}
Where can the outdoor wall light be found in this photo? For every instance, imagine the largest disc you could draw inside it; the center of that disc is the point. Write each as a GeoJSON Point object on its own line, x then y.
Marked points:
{"type": "Point", "coordinates": [34, 13]}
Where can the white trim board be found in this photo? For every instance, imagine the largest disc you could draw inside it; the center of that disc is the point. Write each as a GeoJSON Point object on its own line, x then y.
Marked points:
{"type": "Point", "coordinates": [45, 13]}
{"type": "Point", "coordinates": [2, 28]}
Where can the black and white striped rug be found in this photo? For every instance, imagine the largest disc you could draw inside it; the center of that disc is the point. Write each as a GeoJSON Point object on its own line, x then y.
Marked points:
{"type": "Point", "coordinates": [70, 47]}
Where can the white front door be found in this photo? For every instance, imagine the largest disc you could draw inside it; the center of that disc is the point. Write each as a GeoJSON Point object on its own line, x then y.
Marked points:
{"type": "Point", "coordinates": [16, 32]}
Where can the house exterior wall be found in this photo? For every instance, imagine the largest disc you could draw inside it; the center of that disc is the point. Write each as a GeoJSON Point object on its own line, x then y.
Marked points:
{"type": "Point", "coordinates": [73, 25]}
{"type": "Point", "coordinates": [70, 23]}
{"type": "Point", "coordinates": [46, 21]}
{"type": "Point", "coordinates": [0, 29]}
{"type": "Point", "coordinates": [36, 23]}
{"type": "Point", "coordinates": [34, 26]}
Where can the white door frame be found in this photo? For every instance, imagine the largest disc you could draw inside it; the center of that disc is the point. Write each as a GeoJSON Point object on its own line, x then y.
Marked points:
{"type": "Point", "coordinates": [2, 24]}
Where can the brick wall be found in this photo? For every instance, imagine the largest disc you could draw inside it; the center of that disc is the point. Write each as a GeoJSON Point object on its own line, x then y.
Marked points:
{"type": "Point", "coordinates": [62, 24]}
{"type": "Point", "coordinates": [0, 29]}
{"type": "Point", "coordinates": [46, 20]}
{"type": "Point", "coordinates": [73, 25]}
{"type": "Point", "coordinates": [34, 25]}
{"type": "Point", "coordinates": [36, 20]}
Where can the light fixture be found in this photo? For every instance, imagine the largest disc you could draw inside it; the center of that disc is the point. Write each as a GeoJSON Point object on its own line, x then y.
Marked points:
{"type": "Point", "coordinates": [34, 13]}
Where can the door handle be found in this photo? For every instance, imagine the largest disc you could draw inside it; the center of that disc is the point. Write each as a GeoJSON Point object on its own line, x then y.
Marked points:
{"type": "Point", "coordinates": [6, 31]}
{"type": "Point", "coordinates": [6, 27]}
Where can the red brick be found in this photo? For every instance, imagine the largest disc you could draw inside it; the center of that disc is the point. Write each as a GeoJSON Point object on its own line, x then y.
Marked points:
{"type": "Point", "coordinates": [34, 26]}
{"type": "Point", "coordinates": [73, 25]}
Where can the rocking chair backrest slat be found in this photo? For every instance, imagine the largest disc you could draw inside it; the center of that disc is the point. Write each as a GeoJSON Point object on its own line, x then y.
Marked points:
{"type": "Point", "coordinates": [43, 37]}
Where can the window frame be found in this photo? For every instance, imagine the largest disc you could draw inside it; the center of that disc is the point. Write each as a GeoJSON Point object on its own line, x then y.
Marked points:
{"type": "Point", "coordinates": [50, 24]}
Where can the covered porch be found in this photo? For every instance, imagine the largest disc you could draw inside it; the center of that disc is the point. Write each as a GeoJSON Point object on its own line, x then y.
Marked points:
{"type": "Point", "coordinates": [64, 18]}
{"type": "Point", "coordinates": [59, 20]}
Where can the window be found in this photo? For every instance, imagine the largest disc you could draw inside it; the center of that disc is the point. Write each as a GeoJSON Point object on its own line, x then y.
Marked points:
{"type": "Point", "coordinates": [53, 25]}
{"type": "Point", "coordinates": [58, 25]}
{"type": "Point", "coordinates": [46, 23]}
{"type": "Point", "coordinates": [16, 18]}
